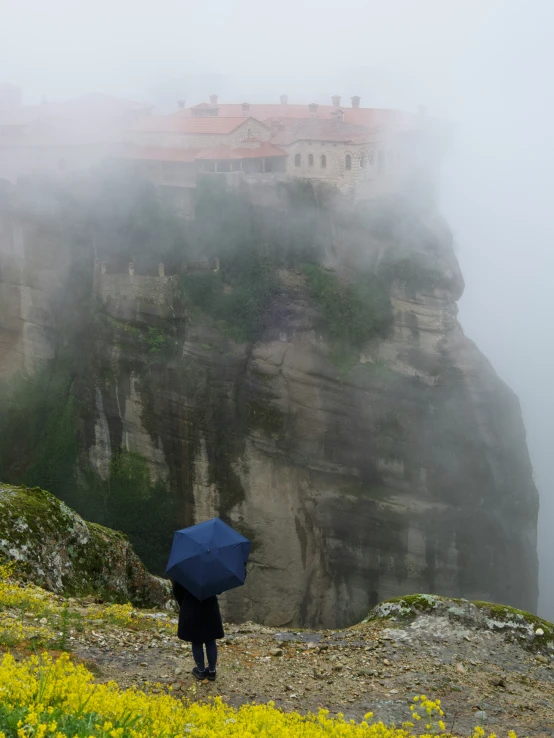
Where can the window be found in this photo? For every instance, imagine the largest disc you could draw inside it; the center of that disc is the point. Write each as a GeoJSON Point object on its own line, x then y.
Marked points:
{"type": "Point", "coordinates": [297, 160]}
{"type": "Point", "coordinates": [311, 160]}
{"type": "Point", "coordinates": [362, 160]}
{"type": "Point", "coordinates": [348, 162]}
{"type": "Point", "coordinates": [323, 161]}
{"type": "Point", "coordinates": [371, 158]}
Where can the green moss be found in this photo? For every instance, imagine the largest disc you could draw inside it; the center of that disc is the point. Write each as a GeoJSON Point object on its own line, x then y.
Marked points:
{"type": "Point", "coordinates": [509, 621]}
{"type": "Point", "coordinates": [418, 602]}
{"type": "Point", "coordinates": [52, 546]}
{"type": "Point", "coordinates": [507, 614]}
{"type": "Point", "coordinates": [29, 513]}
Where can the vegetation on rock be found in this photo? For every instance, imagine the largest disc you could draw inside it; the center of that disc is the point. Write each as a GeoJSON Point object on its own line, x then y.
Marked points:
{"type": "Point", "coordinates": [354, 312]}
{"type": "Point", "coordinates": [531, 631]}
{"type": "Point", "coordinates": [54, 547]}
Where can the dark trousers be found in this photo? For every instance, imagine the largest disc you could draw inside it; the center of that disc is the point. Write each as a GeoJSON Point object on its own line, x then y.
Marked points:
{"type": "Point", "coordinates": [211, 655]}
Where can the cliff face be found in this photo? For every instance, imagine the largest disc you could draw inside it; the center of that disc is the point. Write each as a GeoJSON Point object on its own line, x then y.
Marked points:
{"type": "Point", "coordinates": [321, 397]}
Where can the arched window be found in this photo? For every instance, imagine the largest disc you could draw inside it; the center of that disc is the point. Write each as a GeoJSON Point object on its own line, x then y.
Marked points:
{"type": "Point", "coordinates": [348, 162]}
{"type": "Point", "coordinates": [297, 160]}
{"type": "Point", "coordinates": [362, 160]}
{"type": "Point", "coordinates": [311, 160]}
{"type": "Point", "coordinates": [371, 158]}
{"type": "Point", "coordinates": [323, 161]}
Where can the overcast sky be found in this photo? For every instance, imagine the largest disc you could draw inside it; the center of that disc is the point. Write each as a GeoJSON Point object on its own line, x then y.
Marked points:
{"type": "Point", "coordinates": [485, 64]}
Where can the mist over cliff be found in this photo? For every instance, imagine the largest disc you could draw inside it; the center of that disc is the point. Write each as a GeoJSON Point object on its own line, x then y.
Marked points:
{"type": "Point", "coordinates": [289, 360]}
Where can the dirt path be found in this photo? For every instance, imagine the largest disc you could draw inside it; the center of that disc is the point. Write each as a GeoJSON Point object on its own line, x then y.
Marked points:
{"type": "Point", "coordinates": [480, 678]}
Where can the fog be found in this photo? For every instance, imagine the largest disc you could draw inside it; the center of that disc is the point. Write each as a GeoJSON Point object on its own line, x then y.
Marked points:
{"type": "Point", "coordinates": [483, 64]}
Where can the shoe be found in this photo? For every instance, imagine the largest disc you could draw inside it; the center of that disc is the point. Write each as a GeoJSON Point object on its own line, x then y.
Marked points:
{"type": "Point", "coordinates": [210, 675]}
{"type": "Point", "coordinates": [199, 673]}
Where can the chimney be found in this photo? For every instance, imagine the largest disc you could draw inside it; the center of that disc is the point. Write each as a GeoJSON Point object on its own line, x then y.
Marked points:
{"type": "Point", "coordinates": [355, 101]}
{"type": "Point", "coordinates": [213, 99]}
{"type": "Point", "coordinates": [336, 100]}
{"type": "Point", "coordinates": [284, 99]}
{"type": "Point", "coordinates": [313, 109]}
{"type": "Point", "coordinates": [337, 115]}
{"type": "Point", "coordinates": [245, 107]}
{"type": "Point", "coordinates": [181, 104]}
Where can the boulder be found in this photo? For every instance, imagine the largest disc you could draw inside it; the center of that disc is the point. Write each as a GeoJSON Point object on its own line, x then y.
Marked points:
{"type": "Point", "coordinates": [56, 549]}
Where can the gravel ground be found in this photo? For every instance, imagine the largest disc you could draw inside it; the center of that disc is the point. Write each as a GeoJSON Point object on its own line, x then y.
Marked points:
{"type": "Point", "coordinates": [480, 677]}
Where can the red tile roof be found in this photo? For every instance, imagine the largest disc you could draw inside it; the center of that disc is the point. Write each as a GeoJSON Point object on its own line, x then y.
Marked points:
{"type": "Point", "coordinates": [178, 123]}
{"type": "Point", "coordinates": [264, 149]}
{"type": "Point", "coordinates": [205, 106]}
{"type": "Point", "coordinates": [357, 116]}
{"type": "Point", "coordinates": [158, 153]}
{"type": "Point", "coordinates": [315, 129]}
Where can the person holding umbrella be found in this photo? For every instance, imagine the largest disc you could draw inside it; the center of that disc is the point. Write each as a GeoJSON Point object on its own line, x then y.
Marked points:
{"type": "Point", "coordinates": [199, 623]}
{"type": "Point", "coordinates": [205, 560]}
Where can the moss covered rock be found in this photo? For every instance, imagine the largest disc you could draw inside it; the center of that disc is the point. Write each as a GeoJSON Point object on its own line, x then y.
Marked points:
{"type": "Point", "coordinates": [55, 548]}
{"type": "Point", "coordinates": [531, 631]}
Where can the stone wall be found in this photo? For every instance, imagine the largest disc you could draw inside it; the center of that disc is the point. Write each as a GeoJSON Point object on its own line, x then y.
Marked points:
{"type": "Point", "coordinates": [158, 289]}
{"type": "Point", "coordinates": [364, 170]}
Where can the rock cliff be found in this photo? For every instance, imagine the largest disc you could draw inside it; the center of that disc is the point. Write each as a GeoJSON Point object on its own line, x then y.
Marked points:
{"type": "Point", "coordinates": [317, 392]}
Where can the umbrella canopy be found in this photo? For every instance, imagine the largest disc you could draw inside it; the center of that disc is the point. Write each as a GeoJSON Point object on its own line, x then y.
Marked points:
{"type": "Point", "coordinates": [208, 558]}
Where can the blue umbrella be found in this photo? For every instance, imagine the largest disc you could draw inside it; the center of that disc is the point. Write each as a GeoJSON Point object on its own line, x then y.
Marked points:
{"type": "Point", "coordinates": [208, 558]}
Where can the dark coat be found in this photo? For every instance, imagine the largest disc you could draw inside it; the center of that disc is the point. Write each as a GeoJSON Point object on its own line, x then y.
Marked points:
{"type": "Point", "coordinates": [199, 620]}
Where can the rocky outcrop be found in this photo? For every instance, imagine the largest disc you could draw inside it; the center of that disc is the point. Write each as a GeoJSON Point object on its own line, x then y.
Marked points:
{"type": "Point", "coordinates": [55, 548]}
{"type": "Point", "coordinates": [529, 631]}
{"type": "Point", "coordinates": [361, 471]}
